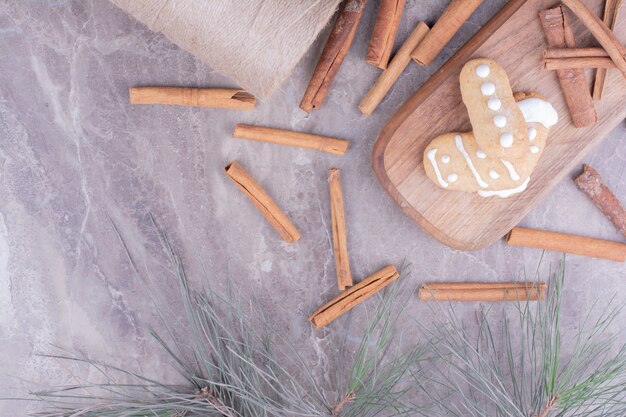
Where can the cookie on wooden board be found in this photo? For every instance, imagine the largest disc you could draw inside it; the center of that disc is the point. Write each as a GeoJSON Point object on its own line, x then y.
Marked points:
{"type": "Point", "coordinates": [462, 162]}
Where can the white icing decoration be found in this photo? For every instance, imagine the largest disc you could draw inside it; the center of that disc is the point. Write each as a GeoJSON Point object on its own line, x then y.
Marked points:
{"type": "Point", "coordinates": [536, 110]}
{"type": "Point", "coordinates": [505, 193]}
{"type": "Point", "coordinates": [445, 159]}
{"type": "Point", "coordinates": [532, 133]}
{"type": "Point", "coordinates": [494, 103]}
{"type": "Point", "coordinates": [453, 177]}
{"type": "Point", "coordinates": [499, 120]}
{"type": "Point", "coordinates": [506, 140]}
{"type": "Point", "coordinates": [459, 145]}
{"type": "Point", "coordinates": [481, 154]}
{"type": "Point", "coordinates": [493, 174]}
{"type": "Point", "coordinates": [482, 70]}
{"type": "Point", "coordinates": [509, 166]}
{"type": "Point", "coordinates": [488, 89]}
{"type": "Point", "coordinates": [431, 157]}
{"type": "Point", "coordinates": [534, 149]}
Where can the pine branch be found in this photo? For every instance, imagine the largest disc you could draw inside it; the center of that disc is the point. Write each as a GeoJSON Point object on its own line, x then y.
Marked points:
{"type": "Point", "coordinates": [550, 405]}
{"type": "Point", "coordinates": [231, 369]}
{"type": "Point", "coordinates": [527, 373]}
{"type": "Point", "coordinates": [216, 403]}
{"type": "Point", "coordinates": [348, 398]}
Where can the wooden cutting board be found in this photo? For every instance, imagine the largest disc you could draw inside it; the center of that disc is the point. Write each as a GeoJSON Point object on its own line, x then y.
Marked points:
{"type": "Point", "coordinates": [514, 39]}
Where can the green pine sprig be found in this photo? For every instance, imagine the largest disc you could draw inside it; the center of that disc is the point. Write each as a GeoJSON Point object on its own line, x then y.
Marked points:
{"type": "Point", "coordinates": [232, 370]}
{"type": "Point", "coordinates": [532, 371]}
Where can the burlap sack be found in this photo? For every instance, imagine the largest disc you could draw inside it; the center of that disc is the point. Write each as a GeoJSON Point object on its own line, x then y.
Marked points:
{"type": "Point", "coordinates": [257, 43]}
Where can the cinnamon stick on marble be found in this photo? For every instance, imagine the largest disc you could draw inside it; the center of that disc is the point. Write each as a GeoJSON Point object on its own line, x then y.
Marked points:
{"type": "Point", "coordinates": [340, 240]}
{"type": "Point", "coordinates": [610, 17]}
{"type": "Point", "coordinates": [601, 32]}
{"type": "Point", "coordinates": [563, 242]}
{"type": "Point", "coordinates": [266, 205]}
{"type": "Point", "coordinates": [559, 34]}
{"type": "Point", "coordinates": [384, 33]}
{"type": "Point", "coordinates": [453, 17]}
{"type": "Point", "coordinates": [353, 296]}
{"type": "Point", "coordinates": [225, 98]}
{"type": "Point", "coordinates": [389, 76]}
{"type": "Point", "coordinates": [289, 138]}
{"type": "Point", "coordinates": [336, 49]}
{"type": "Point", "coordinates": [483, 291]}
{"type": "Point", "coordinates": [590, 183]}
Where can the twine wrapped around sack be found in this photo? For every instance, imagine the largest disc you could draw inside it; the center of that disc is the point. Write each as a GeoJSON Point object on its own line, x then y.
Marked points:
{"type": "Point", "coordinates": [257, 43]}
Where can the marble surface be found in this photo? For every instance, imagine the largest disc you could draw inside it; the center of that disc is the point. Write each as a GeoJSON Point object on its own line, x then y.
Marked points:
{"type": "Point", "coordinates": [76, 158]}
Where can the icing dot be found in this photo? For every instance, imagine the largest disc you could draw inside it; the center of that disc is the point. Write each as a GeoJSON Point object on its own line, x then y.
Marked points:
{"type": "Point", "coordinates": [506, 140]}
{"type": "Point", "coordinates": [499, 120]}
{"type": "Point", "coordinates": [532, 134]}
{"type": "Point", "coordinates": [453, 177]}
{"type": "Point", "coordinates": [534, 149]}
{"type": "Point", "coordinates": [488, 89]}
{"type": "Point", "coordinates": [481, 154]}
{"type": "Point", "coordinates": [482, 70]}
{"type": "Point", "coordinates": [445, 159]}
{"type": "Point", "coordinates": [494, 103]}
{"type": "Point", "coordinates": [493, 174]}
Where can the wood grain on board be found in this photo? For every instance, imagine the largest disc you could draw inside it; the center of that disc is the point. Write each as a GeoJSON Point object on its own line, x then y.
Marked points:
{"type": "Point", "coordinates": [514, 39]}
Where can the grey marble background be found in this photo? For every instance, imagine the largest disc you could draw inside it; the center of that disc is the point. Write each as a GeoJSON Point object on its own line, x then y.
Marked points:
{"type": "Point", "coordinates": [75, 158]}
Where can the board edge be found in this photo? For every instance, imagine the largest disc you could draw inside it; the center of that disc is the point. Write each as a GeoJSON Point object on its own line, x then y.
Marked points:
{"type": "Point", "coordinates": [447, 70]}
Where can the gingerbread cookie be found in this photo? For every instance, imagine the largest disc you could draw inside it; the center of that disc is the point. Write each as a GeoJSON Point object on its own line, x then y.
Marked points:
{"type": "Point", "coordinates": [467, 162]}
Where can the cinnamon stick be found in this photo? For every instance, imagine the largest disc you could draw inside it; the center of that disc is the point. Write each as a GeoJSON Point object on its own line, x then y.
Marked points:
{"type": "Point", "coordinates": [483, 291]}
{"type": "Point", "coordinates": [559, 34]}
{"type": "Point", "coordinates": [590, 183]}
{"type": "Point", "coordinates": [263, 202]}
{"type": "Point", "coordinates": [555, 58]}
{"type": "Point", "coordinates": [601, 32]}
{"type": "Point", "coordinates": [225, 98]}
{"type": "Point", "coordinates": [289, 138]}
{"type": "Point", "coordinates": [353, 296]}
{"type": "Point", "coordinates": [582, 62]}
{"type": "Point", "coordinates": [457, 13]}
{"type": "Point", "coordinates": [334, 52]}
{"type": "Point", "coordinates": [384, 33]}
{"type": "Point", "coordinates": [574, 53]}
{"type": "Point", "coordinates": [610, 17]}
{"type": "Point", "coordinates": [563, 242]}
{"type": "Point", "coordinates": [340, 240]}
{"type": "Point", "coordinates": [389, 76]}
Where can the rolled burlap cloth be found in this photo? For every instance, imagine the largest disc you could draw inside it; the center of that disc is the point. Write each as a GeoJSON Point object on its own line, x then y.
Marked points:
{"type": "Point", "coordinates": [257, 43]}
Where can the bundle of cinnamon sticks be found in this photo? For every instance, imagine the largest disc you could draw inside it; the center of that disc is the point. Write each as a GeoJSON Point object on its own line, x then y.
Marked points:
{"type": "Point", "coordinates": [569, 62]}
